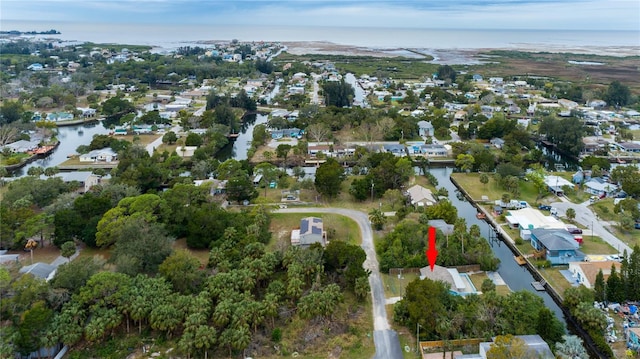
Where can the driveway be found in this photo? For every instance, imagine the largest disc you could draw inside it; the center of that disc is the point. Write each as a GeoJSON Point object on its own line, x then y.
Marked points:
{"type": "Point", "coordinates": [385, 339]}
{"type": "Point", "coordinates": [585, 217]}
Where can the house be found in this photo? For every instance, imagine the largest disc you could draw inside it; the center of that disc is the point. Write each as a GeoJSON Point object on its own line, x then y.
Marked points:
{"type": "Point", "coordinates": [100, 155]}
{"type": "Point", "coordinates": [536, 347]}
{"type": "Point", "coordinates": [186, 151]}
{"type": "Point", "coordinates": [599, 187]}
{"type": "Point", "coordinates": [497, 142]}
{"type": "Point", "coordinates": [558, 245]}
{"type": "Point", "coordinates": [22, 146]}
{"type": "Point", "coordinates": [35, 67]}
{"type": "Point", "coordinates": [87, 111]}
{"type": "Point", "coordinates": [86, 179]}
{"type": "Point", "coordinates": [398, 150]}
{"type": "Point", "coordinates": [40, 270]}
{"type": "Point", "coordinates": [434, 150]}
{"type": "Point", "coordinates": [457, 284]}
{"type": "Point", "coordinates": [425, 128]}
{"type": "Point", "coordinates": [287, 132]}
{"type": "Point", "coordinates": [585, 272]}
{"type": "Point", "coordinates": [216, 186]}
{"type": "Point", "coordinates": [530, 218]}
{"type": "Point", "coordinates": [311, 231]}
{"type": "Point", "coordinates": [444, 227]}
{"type": "Point", "coordinates": [420, 196]}
{"type": "Point", "coordinates": [59, 116]}
{"type": "Point", "coordinates": [555, 184]}
{"type": "Point", "coordinates": [8, 258]}
{"type": "Point", "coordinates": [629, 147]}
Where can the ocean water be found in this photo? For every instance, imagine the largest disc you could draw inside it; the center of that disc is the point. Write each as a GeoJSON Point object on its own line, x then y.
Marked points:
{"type": "Point", "coordinates": [171, 35]}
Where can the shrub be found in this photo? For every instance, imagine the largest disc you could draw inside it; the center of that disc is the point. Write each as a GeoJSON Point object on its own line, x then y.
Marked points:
{"type": "Point", "coordinates": [276, 335]}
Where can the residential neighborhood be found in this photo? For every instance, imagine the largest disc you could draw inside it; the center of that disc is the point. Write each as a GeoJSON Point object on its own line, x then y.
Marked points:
{"type": "Point", "coordinates": [272, 191]}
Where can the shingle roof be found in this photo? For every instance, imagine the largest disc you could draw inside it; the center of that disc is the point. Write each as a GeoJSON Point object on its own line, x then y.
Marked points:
{"type": "Point", "coordinates": [40, 270]}
{"type": "Point", "coordinates": [555, 239]}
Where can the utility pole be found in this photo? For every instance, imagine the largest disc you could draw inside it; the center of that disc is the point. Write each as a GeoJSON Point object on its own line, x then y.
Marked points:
{"type": "Point", "coordinates": [372, 185]}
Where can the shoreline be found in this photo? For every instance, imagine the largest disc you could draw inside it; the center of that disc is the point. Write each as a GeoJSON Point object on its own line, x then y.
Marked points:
{"type": "Point", "coordinates": [446, 55]}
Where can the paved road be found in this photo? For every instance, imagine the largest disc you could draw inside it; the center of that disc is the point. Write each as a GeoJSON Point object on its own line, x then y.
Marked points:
{"type": "Point", "coordinates": [385, 339]}
{"type": "Point", "coordinates": [585, 217]}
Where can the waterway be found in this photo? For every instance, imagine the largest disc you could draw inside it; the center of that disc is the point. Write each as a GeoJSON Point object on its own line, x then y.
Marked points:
{"type": "Point", "coordinates": [237, 149]}
{"type": "Point", "coordinates": [70, 138]}
{"type": "Point", "coordinates": [516, 277]}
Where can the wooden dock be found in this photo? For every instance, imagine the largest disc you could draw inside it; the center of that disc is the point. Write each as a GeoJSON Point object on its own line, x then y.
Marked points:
{"type": "Point", "coordinates": [520, 260]}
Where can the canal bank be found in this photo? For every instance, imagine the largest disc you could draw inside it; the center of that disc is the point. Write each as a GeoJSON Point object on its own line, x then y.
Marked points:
{"type": "Point", "coordinates": [534, 274]}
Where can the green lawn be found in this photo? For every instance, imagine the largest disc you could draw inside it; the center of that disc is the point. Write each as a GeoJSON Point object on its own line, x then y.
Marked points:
{"type": "Point", "coordinates": [394, 286]}
{"type": "Point", "coordinates": [282, 224]}
{"type": "Point", "coordinates": [604, 209]}
{"type": "Point", "coordinates": [555, 278]}
{"type": "Point", "coordinates": [478, 278]}
{"type": "Point", "coordinates": [14, 158]}
{"type": "Point", "coordinates": [595, 245]}
{"type": "Point", "coordinates": [471, 183]}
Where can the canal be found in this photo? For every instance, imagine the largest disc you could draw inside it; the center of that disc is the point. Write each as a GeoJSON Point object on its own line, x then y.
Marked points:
{"type": "Point", "coordinates": [70, 138]}
{"type": "Point", "coordinates": [515, 276]}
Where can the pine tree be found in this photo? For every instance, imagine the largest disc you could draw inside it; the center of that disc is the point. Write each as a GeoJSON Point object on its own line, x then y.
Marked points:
{"type": "Point", "coordinates": [615, 291]}
{"type": "Point", "coordinates": [598, 287]}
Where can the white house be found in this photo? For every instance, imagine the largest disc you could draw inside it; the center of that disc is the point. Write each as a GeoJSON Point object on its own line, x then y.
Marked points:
{"type": "Point", "coordinates": [86, 179]}
{"type": "Point", "coordinates": [425, 128]}
{"type": "Point", "coordinates": [311, 231]}
{"type": "Point", "coordinates": [100, 155]}
{"type": "Point", "coordinates": [599, 188]}
{"type": "Point", "coordinates": [585, 272]}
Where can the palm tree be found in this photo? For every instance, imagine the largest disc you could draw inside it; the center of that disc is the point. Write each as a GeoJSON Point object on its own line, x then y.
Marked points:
{"type": "Point", "coordinates": [377, 218]}
{"type": "Point", "coordinates": [571, 214]}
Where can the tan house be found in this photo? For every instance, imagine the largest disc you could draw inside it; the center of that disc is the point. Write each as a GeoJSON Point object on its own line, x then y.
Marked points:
{"type": "Point", "coordinates": [420, 196]}
{"type": "Point", "coordinates": [585, 272]}
{"type": "Point", "coordinates": [311, 231]}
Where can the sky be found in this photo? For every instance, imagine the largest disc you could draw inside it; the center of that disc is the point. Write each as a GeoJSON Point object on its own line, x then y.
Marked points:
{"type": "Point", "coordinates": [439, 14]}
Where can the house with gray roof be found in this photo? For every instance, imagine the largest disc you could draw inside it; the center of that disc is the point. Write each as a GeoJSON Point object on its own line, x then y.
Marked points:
{"type": "Point", "coordinates": [599, 187]}
{"type": "Point", "coordinates": [536, 346]}
{"type": "Point", "coordinates": [311, 231]}
{"type": "Point", "coordinates": [558, 245]}
{"type": "Point", "coordinates": [40, 270]}
{"type": "Point", "coordinates": [425, 128]}
{"type": "Point", "coordinates": [86, 179]}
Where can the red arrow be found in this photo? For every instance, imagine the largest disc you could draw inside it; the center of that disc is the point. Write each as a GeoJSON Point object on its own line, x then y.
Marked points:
{"type": "Point", "coordinates": [432, 252]}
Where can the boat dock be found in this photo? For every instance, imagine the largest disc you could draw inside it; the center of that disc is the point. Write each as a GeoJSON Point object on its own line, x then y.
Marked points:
{"type": "Point", "coordinates": [539, 286]}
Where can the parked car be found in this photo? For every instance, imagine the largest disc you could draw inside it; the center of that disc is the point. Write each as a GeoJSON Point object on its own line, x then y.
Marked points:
{"type": "Point", "coordinates": [636, 226]}
{"type": "Point", "coordinates": [544, 207]}
{"type": "Point", "coordinates": [574, 230]}
{"type": "Point", "coordinates": [615, 257]}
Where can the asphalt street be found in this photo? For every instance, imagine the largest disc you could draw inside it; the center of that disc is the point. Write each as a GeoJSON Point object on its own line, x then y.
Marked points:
{"type": "Point", "coordinates": [385, 339]}
{"type": "Point", "coordinates": [587, 218]}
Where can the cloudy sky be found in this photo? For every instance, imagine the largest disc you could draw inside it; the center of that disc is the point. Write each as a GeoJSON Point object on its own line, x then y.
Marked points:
{"type": "Point", "coordinates": [451, 14]}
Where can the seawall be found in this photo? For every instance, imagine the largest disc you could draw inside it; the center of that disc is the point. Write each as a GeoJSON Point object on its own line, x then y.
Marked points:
{"type": "Point", "coordinates": [553, 293]}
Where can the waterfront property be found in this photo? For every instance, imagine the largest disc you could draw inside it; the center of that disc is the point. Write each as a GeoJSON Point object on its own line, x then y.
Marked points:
{"type": "Point", "coordinates": [536, 348]}
{"type": "Point", "coordinates": [311, 231]}
{"type": "Point", "coordinates": [459, 284]}
{"type": "Point", "coordinates": [527, 219]}
{"type": "Point", "coordinates": [100, 155]}
{"type": "Point", "coordinates": [558, 245]}
{"type": "Point", "coordinates": [585, 272]}
{"type": "Point", "coordinates": [419, 196]}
